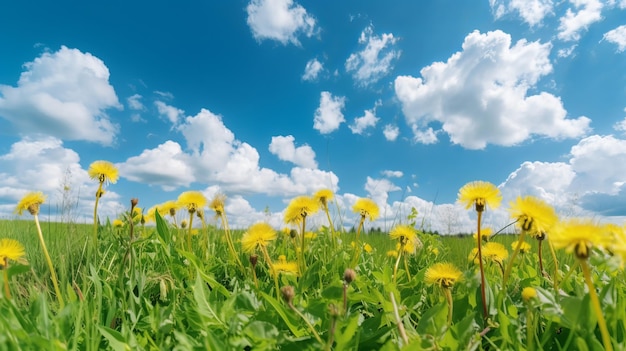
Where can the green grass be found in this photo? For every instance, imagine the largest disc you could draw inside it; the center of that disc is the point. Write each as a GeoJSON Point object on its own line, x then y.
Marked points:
{"type": "Point", "coordinates": [152, 294]}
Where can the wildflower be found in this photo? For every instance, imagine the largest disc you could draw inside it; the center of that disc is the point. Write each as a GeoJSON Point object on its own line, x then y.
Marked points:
{"type": "Point", "coordinates": [257, 236]}
{"type": "Point", "coordinates": [30, 202]}
{"type": "Point", "coordinates": [366, 208]}
{"type": "Point", "coordinates": [349, 275]}
{"type": "Point", "coordinates": [579, 236]}
{"type": "Point", "coordinates": [524, 247]}
{"type": "Point", "coordinates": [192, 200]}
{"type": "Point", "coordinates": [392, 253]}
{"type": "Point", "coordinates": [310, 235]}
{"type": "Point", "coordinates": [618, 241]}
{"type": "Point", "coordinates": [283, 266]}
{"type": "Point", "coordinates": [495, 252]}
{"type": "Point", "coordinates": [169, 207]}
{"type": "Point", "coordinates": [533, 215]}
{"type": "Point", "coordinates": [103, 171]}
{"type": "Point", "coordinates": [118, 223]}
{"type": "Point", "coordinates": [323, 196]}
{"type": "Point", "coordinates": [444, 275]}
{"type": "Point", "coordinates": [368, 248]}
{"type": "Point", "coordinates": [288, 293]}
{"type": "Point", "coordinates": [528, 294]}
{"type": "Point", "coordinates": [485, 234]}
{"type": "Point", "coordinates": [217, 204]}
{"type": "Point", "coordinates": [10, 249]}
{"type": "Point", "coordinates": [403, 233]}
{"type": "Point", "coordinates": [434, 250]}
{"type": "Point", "coordinates": [479, 194]}
{"type": "Point", "coordinates": [410, 247]}
{"type": "Point", "coordinates": [299, 208]}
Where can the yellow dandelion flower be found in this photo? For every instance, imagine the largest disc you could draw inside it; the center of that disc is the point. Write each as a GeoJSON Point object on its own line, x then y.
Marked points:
{"type": "Point", "coordinates": [103, 171]}
{"type": "Point", "coordinates": [300, 207]}
{"type": "Point", "coordinates": [403, 233]}
{"type": "Point", "coordinates": [392, 253]}
{"type": "Point", "coordinates": [30, 202]}
{"type": "Point", "coordinates": [168, 207]}
{"type": "Point", "coordinates": [444, 275]}
{"type": "Point", "coordinates": [368, 248]}
{"type": "Point", "coordinates": [410, 247]}
{"type": "Point", "coordinates": [310, 235]}
{"type": "Point", "coordinates": [192, 200]}
{"type": "Point", "coordinates": [259, 234]}
{"type": "Point", "coordinates": [533, 215]}
{"type": "Point", "coordinates": [323, 196]}
{"type": "Point", "coordinates": [150, 216]}
{"type": "Point", "coordinates": [579, 236]}
{"type": "Point", "coordinates": [495, 252]}
{"type": "Point", "coordinates": [479, 194]}
{"type": "Point", "coordinates": [10, 249]}
{"type": "Point", "coordinates": [528, 294]}
{"type": "Point", "coordinates": [137, 214]}
{"type": "Point", "coordinates": [118, 223]}
{"type": "Point", "coordinates": [473, 256]}
{"type": "Point", "coordinates": [618, 241]}
{"type": "Point", "coordinates": [284, 266]}
{"type": "Point", "coordinates": [434, 250]}
{"type": "Point", "coordinates": [366, 208]}
{"type": "Point", "coordinates": [524, 247]}
{"type": "Point", "coordinates": [217, 203]}
{"type": "Point", "coordinates": [485, 234]}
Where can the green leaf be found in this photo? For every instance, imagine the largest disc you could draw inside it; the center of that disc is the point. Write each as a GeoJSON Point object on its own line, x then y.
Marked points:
{"type": "Point", "coordinates": [283, 314]}
{"type": "Point", "coordinates": [434, 320]}
{"type": "Point", "coordinates": [204, 308]}
{"type": "Point", "coordinates": [115, 339]}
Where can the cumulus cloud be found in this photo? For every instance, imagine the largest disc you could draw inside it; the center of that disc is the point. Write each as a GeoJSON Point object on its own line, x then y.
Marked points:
{"type": "Point", "coordinates": [531, 11]}
{"type": "Point", "coordinates": [328, 115]}
{"type": "Point", "coordinates": [391, 132]}
{"type": "Point", "coordinates": [312, 70]}
{"type": "Point", "coordinates": [368, 120]}
{"type": "Point", "coordinates": [285, 149]}
{"type": "Point", "coordinates": [375, 60]}
{"type": "Point", "coordinates": [171, 113]}
{"type": "Point", "coordinates": [280, 20]}
{"type": "Point", "coordinates": [392, 174]}
{"type": "Point", "coordinates": [134, 102]}
{"type": "Point", "coordinates": [575, 21]}
{"type": "Point", "coordinates": [63, 94]}
{"type": "Point", "coordinates": [617, 36]}
{"type": "Point", "coordinates": [44, 164]}
{"type": "Point", "coordinates": [214, 156]}
{"type": "Point", "coordinates": [621, 125]}
{"type": "Point", "coordinates": [424, 136]}
{"type": "Point", "coordinates": [480, 95]}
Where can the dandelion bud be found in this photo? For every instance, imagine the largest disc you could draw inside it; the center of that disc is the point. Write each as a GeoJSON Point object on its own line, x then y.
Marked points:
{"type": "Point", "coordinates": [288, 293]}
{"type": "Point", "coordinates": [333, 310]}
{"type": "Point", "coordinates": [253, 260]}
{"type": "Point", "coordinates": [183, 224]}
{"type": "Point", "coordinates": [172, 212]}
{"type": "Point", "coordinates": [133, 202]}
{"type": "Point", "coordinates": [349, 275]}
{"type": "Point", "coordinates": [293, 234]}
{"type": "Point", "coordinates": [200, 214]}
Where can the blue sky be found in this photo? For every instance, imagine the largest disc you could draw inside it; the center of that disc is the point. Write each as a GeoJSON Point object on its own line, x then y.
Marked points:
{"type": "Point", "coordinates": [264, 100]}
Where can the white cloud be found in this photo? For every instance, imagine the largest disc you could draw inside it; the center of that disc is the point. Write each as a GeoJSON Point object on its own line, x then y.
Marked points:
{"type": "Point", "coordinates": [480, 95]}
{"type": "Point", "coordinates": [312, 70]}
{"type": "Point", "coordinates": [284, 148]}
{"type": "Point", "coordinates": [621, 125]}
{"type": "Point", "coordinates": [134, 102]}
{"type": "Point", "coordinates": [328, 115]}
{"type": "Point", "coordinates": [566, 52]}
{"type": "Point", "coordinates": [391, 132]}
{"type": "Point", "coordinates": [617, 36]}
{"type": "Point", "coordinates": [427, 136]}
{"type": "Point", "coordinates": [166, 166]}
{"type": "Point", "coordinates": [368, 120]}
{"type": "Point", "coordinates": [215, 156]}
{"type": "Point", "coordinates": [574, 22]}
{"type": "Point", "coordinates": [280, 20]}
{"type": "Point", "coordinates": [63, 94]}
{"type": "Point", "coordinates": [600, 164]}
{"type": "Point", "coordinates": [392, 174]}
{"type": "Point", "coordinates": [379, 189]}
{"type": "Point", "coordinates": [531, 11]}
{"type": "Point", "coordinates": [375, 60]}
{"type": "Point", "coordinates": [172, 113]}
{"type": "Point", "coordinates": [44, 164]}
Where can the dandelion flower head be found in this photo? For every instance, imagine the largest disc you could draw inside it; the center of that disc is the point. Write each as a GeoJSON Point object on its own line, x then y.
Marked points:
{"type": "Point", "coordinates": [528, 294]}
{"type": "Point", "coordinates": [168, 207]}
{"type": "Point", "coordinates": [302, 206]}
{"type": "Point", "coordinates": [366, 208]}
{"type": "Point", "coordinates": [323, 196]}
{"type": "Point", "coordinates": [524, 247]}
{"type": "Point", "coordinates": [258, 235]}
{"type": "Point", "coordinates": [533, 215]}
{"type": "Point", "coordinates": [192, 200]}
{"type": "Point", "coordinates": [444, 275]}
{"type": "Point", "coordinates": [30, 202]}
{"type": "Point", "coordinates": [10, 249]}
{"type": "Point", "coordinates": [403, 233]}
{"type": "Point", "coordinates": [495, 252]}
{"type": "Point", "coordinates": [579, 236]}
{"type": "Point", "coordinates": [485, 234]}
{"type": "Point", "coordinates": [284, 266]}
{"type": "Point", "coordinates": [479, 194]}
{"type": "Point", "coordinates": [103, 171]}
{"type": "Point", "coordinates": [118, 223]}
{"type": "Point", "coordinates": [618, 241]}
{"type": "Point", "coordinates": [217, 203]}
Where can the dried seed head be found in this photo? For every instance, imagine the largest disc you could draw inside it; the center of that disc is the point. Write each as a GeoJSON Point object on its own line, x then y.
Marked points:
{"type": "Point", "coordinates": [253, 260]}
{"type": "Point", "coordinates": [133, 202]}
{"type": "Point", "coordinates": [288, 293]}
{"type": "Point", "coordinates": [349, 275]}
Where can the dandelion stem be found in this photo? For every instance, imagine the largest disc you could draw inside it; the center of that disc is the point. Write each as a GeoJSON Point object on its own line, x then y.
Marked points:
{"type": "Point", "coordinates": [273, 272]}
{"type": "Point", "coordinates": [509, 267]}
{"type": "Point", "coordinates": [406, 268]}
{"type": "Point", "coordinates": [302, 246]}
{"type": "Point", "coordinates": [396, 315]}
{"type": "Point", "coordinates": [482, 268]}
{"type": "Point", "coordinates": [540, 257]}
{"type": "Point", "coordinates": [395, 267]}
{"type": "Point", "coordinates": [357, 247]}
{"type": "Point", "coordinates": [308, 324]}
{"type": "Point", "coordinates": [95, 219]}
{"type": "Point", "coordinates": [189, 231]}
{"type": "Point", "coordinates": [53, 274]}
{"type": "Point", "coordinates": [556, 267]}
{"type": "Point", "coordinates": [530, 328]}
{"type": "Point", "coordinates": [332, 227]}
{"type": "Point", "coordinates": [595, 303]}
{"type": "Point", "coordinates": [448, 295]}
{"type": "Point", "coordinates": [229, 240]}
{"type": "Point", "coordinates": [7, 291]}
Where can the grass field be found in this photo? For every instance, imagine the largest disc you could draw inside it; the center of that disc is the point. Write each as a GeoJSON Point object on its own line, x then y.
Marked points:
{"type": "Point", "coordinates": [153, 293]}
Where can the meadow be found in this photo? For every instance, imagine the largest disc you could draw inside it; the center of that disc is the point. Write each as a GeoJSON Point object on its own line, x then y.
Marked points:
{"type": "Point", "coordinates": [148, 281]}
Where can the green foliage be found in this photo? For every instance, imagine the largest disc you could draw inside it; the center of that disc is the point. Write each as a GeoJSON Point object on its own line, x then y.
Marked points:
{"type": "Point", "coordinates": [150, 293]}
